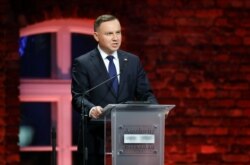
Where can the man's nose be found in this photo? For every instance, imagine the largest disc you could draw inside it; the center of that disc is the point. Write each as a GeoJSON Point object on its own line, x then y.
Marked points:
{"type": "Point", "coordinates": [115, 37]}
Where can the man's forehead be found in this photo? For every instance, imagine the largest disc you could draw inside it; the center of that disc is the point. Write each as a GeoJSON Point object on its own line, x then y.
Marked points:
{"type": "Point", "coordinates": [107, 28]}
{"type": "Point", "coordinates": [110, 23]}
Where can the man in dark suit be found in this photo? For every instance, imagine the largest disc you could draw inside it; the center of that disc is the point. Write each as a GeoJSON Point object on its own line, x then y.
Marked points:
{"type": "Point", "coordinates": [95, 67]}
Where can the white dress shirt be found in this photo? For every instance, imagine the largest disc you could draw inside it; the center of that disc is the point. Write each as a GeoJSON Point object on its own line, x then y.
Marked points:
{"type": "Point", "coordinates": [106, 61]}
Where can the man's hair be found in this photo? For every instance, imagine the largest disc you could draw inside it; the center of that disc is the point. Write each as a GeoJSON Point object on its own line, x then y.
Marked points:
{"type": "Point", "coordinates": [103, 18]}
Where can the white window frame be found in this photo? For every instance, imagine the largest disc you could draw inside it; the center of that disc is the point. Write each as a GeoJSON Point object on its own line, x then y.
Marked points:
{"type": "Point", "coordinates": [57, 90]}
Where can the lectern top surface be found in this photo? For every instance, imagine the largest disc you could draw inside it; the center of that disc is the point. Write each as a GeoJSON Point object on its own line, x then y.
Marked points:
{"type": "Point", "coordinates": [160, 107]}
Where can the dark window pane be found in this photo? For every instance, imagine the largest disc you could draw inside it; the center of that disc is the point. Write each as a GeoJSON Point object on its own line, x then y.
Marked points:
{"type": "Point", "coordinates": [82, 44]}
{"type": "Point", "coordinates": [75, 157]}
{"type": "Point", "coordinates": [35, 158]}
{"type": "Point", "coordinates": [76, 117]}
{"type": "Point", "coordinates": [35, 52]}
{"type": "Point", "coordinates": [35, 126]}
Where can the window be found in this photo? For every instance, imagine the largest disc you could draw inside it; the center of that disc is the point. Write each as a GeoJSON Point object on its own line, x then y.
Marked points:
{"type": "Point", "coordinates": [46, 51]}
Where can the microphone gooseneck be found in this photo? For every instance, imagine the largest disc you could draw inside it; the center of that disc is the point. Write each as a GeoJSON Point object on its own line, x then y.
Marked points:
{"type": "Point", "coordinates": [125, 60]}
{"type": "Point", "coordinates": [104, 82]}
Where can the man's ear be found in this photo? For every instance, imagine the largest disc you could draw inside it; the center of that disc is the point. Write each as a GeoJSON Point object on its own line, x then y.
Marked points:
{"type": "Point", "coordinates": [96, 36]}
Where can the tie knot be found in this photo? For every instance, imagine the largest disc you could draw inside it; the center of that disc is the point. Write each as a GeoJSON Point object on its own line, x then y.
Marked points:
{"type": "Point", "coordinates": [110, 58]}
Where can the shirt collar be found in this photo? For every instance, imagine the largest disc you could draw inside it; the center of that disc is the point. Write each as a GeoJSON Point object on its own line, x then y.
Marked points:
{"type": "Point", "coordinates": [104, 55]}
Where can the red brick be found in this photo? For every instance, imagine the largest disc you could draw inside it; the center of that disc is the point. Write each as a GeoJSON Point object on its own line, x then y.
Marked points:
{"type": "Point", "coordinates": [213, 158]}
{"type": "Point", "coordinates": [219, 40]}
{"type": "Point", "coordinates": [201, 122]}
{"type": "Point", "coordinates": [168, 22]}
{"type": "Point", "coordinates": [13, 159]}
{"type": "Point", "coordinates": [236, 158]}
{"type": "Point", "coordinates": [206, 86]}
{"type": "Point", "coordinates": [173, 149]}
{"type": "Point", "coordinates": [241, 32]}
{"type": "Point", "coordinates": [180, 77]}
{"type": "Point", "coordinates": [234, 41]}
{"type": "Point", "coordinates": [246, 112]}
{"type": "Point", "coordinates": [208, 149]}
{"type": "Point", "coordinates": [181, 13]}
{"type": "Point", "coordinates": [186, 22]}
{"type": "Point", "coordinates": [244, 68]}
{"type": "Point", "coordinates": [213, 13]}
{"type": "Point", "coordinates": [247, 41]}
{"type": "Point", "coordinates": [222, 22]}
{"type": "Point", "coordinates": [232, 3]}
{"type": "Point", "coordinates": [193, 148]}
{"type": "Point", "coordinates": [226, 103]}
{"type": "Point", "coordinates": [236, 113]}
{"type": "Point", "coordinates": [243, 103]}
{"type": "Point", "coordinates": [222, 58]}
{"type": "Point", "coordinates": [206, 131]}
{"type": "Point", "coordinates": [242, 131]}
{"type": "Point", "coordinates": [243, 140]}
{"type": "Point", "coordinates": [183, 157]}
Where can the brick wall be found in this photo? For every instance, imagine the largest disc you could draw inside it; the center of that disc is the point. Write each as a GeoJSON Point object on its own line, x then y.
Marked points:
{"type": "Point", "coordinates": [202, 66]}
{"type": "Point", "coordinates": [9, 81]}
{"type": "Point", "coordinates": [196, 54]}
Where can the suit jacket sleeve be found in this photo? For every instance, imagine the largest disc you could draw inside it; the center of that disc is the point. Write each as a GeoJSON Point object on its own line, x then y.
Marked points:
{"type": "Point", "coordinates": [143, 88]}
{"type": "Point", "coordinates": [79, 84]}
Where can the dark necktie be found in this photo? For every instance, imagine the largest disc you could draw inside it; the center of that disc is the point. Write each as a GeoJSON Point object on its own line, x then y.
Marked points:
{"type": "Point", "coordinates": [112, 73]}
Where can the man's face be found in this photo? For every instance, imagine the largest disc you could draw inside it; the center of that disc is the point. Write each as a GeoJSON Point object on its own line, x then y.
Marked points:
{"type": "Point", "coordinates": [109, 37]}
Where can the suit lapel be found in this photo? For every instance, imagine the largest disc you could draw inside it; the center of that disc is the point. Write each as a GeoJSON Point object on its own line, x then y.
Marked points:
{"type": "Point", "coordinates": [123, 60]}
{"type": "Point", "coordinates": [98, 63]}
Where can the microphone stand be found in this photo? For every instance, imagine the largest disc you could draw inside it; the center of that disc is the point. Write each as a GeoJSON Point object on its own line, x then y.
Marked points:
{"type": "Point", "coordinates": [84, 127]}
{"type": "Point", "coordinates": [85, 115]}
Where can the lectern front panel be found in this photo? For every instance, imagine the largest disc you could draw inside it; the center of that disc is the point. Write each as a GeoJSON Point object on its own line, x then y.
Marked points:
{"type": "Point", "coordinates": [136, 136]}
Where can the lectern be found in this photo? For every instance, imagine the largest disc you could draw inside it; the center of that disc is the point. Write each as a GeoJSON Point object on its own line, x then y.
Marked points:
{"type": "Point", "coordinates": [134, 133]}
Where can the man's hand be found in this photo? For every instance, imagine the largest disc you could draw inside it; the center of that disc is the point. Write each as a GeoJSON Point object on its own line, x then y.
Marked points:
{"type": "Point", "coordinates": [95, 112]}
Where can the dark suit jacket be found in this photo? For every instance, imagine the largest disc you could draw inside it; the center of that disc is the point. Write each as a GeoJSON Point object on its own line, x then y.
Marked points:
{"type": "Point", "coordinates": [89, 70]}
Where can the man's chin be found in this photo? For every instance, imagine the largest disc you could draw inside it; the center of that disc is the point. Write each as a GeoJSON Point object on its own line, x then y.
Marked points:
{"type": "Point", "coordinates": [114, 49]}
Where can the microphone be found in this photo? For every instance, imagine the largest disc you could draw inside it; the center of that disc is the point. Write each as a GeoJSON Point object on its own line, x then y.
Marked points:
{"type": "Point", "coordinates": [104, 82]}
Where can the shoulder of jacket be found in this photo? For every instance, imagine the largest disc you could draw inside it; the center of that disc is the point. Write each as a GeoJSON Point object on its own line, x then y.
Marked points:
{"type": "Point", "coordinates": [127, 54]}
{"type": "Point", "coordinates": [87, 55]}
